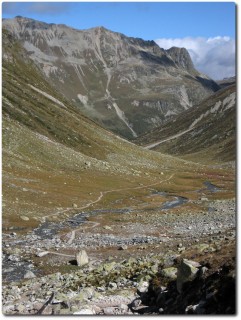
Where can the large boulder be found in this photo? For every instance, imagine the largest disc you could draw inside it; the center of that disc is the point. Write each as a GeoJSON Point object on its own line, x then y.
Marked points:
{"type": "Point", "coordinates": [186, 271]}
{"type": "Point", "coordinates": [82, 258]}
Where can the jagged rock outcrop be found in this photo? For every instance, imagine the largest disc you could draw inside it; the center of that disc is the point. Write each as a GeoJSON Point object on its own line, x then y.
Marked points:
{"type": "Point", "coordinates": [126, 84]}
{"type": "Point", "coordinates": [181, 57]}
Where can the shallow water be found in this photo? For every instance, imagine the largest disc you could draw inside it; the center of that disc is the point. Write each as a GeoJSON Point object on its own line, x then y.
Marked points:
{"type": "Point", "coordinates": [211, 187]}
{"type": "Point", "coordinates": [178, 201]}
{"type": "Point", "coordinates": [16, 270]}
{"type": "Point", "coordinates": [160, 193]}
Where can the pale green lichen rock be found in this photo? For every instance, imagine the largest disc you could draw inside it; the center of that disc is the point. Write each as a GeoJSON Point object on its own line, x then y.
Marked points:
{"type": "Point", "coordinates": [170, 273]}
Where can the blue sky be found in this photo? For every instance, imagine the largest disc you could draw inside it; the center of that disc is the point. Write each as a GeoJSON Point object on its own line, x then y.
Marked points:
{"type": "Point", "coordinates": [206, 29]}
{"type": "Point", "coordinates": [138, 19]}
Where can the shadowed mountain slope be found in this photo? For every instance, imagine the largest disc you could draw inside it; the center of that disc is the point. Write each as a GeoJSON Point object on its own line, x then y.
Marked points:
{"type": "Point", "coordinates": [206, 132]}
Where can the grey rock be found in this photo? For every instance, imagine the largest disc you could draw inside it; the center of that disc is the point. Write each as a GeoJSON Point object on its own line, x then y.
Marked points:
{"type": "Point", "coordinates": [8, 308]}
{"type": "Point", "coordinates": [109, 310]}
{"type": "Point", "coordinates": [187, 271]}
{"type": "Point", "coordinates": [112, 285]}
{"type": "Point", "coordinates": [86, 311]}
{"type": "Point", "coordinates": [82, 258]}
{"type": "Point", "coordinates": [21, 308]}
{"type": "Point", "coordinates": [24, 217]}
{"type": "Point", "coordinates": [14, 258]}
{"type": "Point", "coordinates": [136, 303]}
{"type": "Point", "coordinates": [13, 234]}
{"type": "Point", "coordinates": [107, 228]}
{"type": "Point", "coordinates": [123, 308]}
{"type": "Point", "coordinates": [87, 164]}
{"type": "Point", "coordinates": [196, 309]}
{"type": "Point", "coordinates": [123, 247]}
{"type": "Point", "coordinates": [143, 287]}
{"type": "Point", "coordinates": [29, 274]}
{"type": "Point", "coordinates": [42, 253]}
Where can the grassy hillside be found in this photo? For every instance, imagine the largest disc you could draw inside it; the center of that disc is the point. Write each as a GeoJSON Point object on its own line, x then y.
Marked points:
{"type": "Point", "coordinates": [204, 133]}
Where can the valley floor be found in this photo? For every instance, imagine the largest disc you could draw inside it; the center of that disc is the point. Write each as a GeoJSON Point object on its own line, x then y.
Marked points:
{"type": "Point", "coordinates": [135, 250]}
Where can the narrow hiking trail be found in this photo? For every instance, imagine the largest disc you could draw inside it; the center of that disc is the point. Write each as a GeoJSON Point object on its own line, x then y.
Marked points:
{"type": "Point", "coordinates": [102, 193]}
{"type": "Point", "coordinates": [150, 146]}
{"type": "Point", "coordinates": [73, 232]}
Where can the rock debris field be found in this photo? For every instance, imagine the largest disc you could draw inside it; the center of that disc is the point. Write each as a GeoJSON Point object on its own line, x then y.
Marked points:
{"type": "Point", "coordinates": [138, 269]}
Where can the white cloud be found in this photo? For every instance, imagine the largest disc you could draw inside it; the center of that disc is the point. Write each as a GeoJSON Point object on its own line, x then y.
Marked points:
{"type": "Point", "coordinates": [212, 56]}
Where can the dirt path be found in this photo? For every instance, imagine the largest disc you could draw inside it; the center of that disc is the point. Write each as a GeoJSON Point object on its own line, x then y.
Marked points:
{"type": "Point", "coordinates": [72, 237]}
{"type": "Point", "coordinates": [95, 224]}
{"type": "Point", "coordinates": [73, 232]}
{"type": "Point", "coordinates": [150, 146]}
{"type": "Point", "coordinates": [102, 193]}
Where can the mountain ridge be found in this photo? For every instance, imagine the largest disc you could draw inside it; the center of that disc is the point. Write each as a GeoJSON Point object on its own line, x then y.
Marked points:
{"type": "Point", "coordinates": [126, 84]}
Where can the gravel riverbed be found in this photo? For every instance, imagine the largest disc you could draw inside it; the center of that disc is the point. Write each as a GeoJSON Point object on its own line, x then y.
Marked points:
{"type": "Point", "coordinates": [119, 262]}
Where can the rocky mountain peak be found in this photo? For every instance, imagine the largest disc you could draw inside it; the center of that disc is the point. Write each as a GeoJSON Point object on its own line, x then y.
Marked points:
{"type": "Point", "coordinates": [128, 85]}
{"type": "Point", "coordinates": [181, 57]}
{"type": "Point", "coordinates": [30, 23]}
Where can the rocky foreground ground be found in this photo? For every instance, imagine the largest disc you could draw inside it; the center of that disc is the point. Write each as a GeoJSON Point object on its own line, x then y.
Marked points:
{"type": "Point", "coordinates": [171, 264]}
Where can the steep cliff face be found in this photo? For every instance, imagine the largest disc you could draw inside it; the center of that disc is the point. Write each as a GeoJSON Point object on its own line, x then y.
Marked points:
{"type": "Point", "coordinates": [126, 84]}
{"type": "Point", "coordinates": [182, 58]}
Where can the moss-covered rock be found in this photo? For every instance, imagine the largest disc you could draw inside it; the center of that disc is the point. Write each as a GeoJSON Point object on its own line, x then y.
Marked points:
{"type": "Point", "coordinates": [170, 273]}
